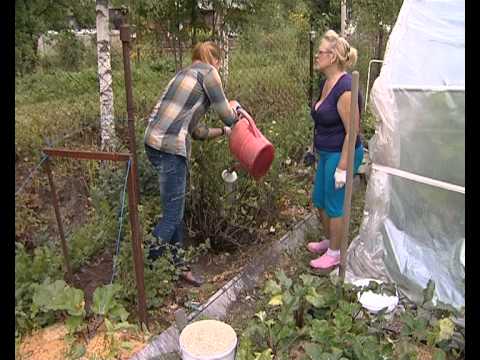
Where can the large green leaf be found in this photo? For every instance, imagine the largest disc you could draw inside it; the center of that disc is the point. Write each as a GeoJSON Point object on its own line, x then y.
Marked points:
{"type": "Point", "coordinates": [104, 299]}
{"type": "Point", "coordinates": [315, 351]}
{"type": "Point", "coordinates": [76, 352]}
{"type": "Point", "coordinates": [118, 312]}
{"type": "Point", "coordinates": [73, 323]}
{"type": "Point", "coordinates": [314, 298]}
{"type": "Point", "coordinates": [73, 301]}
{"type": "Point", "coordinates": [245, 349]}
{"type": "Point", "coordinates": [321, 331]}
{"type": "Point", "coordinates": [46, 295]}
{"type": "Point", "coordinates": [343, 321]}
{"type": "Point", "coordinates": [307, 279]}
{"type": "Point", "coordinates": [272, 287]}
{"type": "Point", "coordinates": [284, 280]}
{"type": "Point", "coordinates": [59, 296]}
{"type": "Point", "coordinates": [439, 354]}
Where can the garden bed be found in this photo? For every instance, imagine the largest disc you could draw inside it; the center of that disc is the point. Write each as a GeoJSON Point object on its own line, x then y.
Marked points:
{"type": "Point", "coordinates": [296, 315]}
{"type": "Point", "coordinates": [218, 269]}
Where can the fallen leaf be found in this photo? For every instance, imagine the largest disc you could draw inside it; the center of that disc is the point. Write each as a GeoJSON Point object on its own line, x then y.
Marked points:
{"type": "Point", "coordinates": [276, 300]}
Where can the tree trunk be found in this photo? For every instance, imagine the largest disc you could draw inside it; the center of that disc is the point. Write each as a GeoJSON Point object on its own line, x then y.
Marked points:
{"type": "Point", "coordinates": [194, 22]}
{"type": "Point", "coordinates": [214, 32]}
{"type": "Point", "coordinates": [180, 50]}
{"type": "Point", "coordinates": [32, 60]}
{"type": "Point", "coordinates": [222, 36]}
{"type": "Point", "coordinates": [174, 47]}
{"type": "Point", "coordinates": [378, 54]}
{"type": "Point", "coordinates": [107, 125]}
{"type": "Point", "coordinates": [177, 35]}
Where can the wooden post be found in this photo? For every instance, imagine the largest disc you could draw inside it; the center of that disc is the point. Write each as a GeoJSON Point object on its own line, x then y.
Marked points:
{"type": "Point", "coordinates": [349, 184]}
{"type": "Point", "coordinates": [310, 89]}
{"type": "Point", "coordinates": [59, 218]}
{"type": "Point", "coordinates": [343, 16]}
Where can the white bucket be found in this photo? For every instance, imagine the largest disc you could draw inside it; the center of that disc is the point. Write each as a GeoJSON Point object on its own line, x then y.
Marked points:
{"type": "Point", "coordinates": [197, 330]}
{"type": "Point", "coordinates": [375, 302]}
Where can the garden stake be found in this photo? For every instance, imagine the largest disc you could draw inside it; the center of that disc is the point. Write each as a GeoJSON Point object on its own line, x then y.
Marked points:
{"type": "Point", "coordinates": [347, 203]}
{"type": "Point", "coordinates": [137, 246]}
{"type": "Point", "coordinates": [311, 36]}
{"type": "Point", "coordinates": [125, 38]}
{"type": "Point", "coordinates": [133, 213]}
{"type": "Point", "coordinates": [59, 218]}
{"type": "Point", "coordinates": [133, 181]}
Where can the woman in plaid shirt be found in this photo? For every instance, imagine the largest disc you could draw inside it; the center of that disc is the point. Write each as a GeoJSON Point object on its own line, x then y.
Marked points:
{"type": "Point", "coordinates": [172, 123]}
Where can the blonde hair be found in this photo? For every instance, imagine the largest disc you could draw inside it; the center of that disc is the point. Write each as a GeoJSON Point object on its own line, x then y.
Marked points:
{"type": "Point", "coordinates": [206, 52]}
{"type": "Point", "coordinates": [346, 54]}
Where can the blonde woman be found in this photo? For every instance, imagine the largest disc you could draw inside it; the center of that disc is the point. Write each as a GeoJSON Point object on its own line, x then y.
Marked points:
{"type": "Point", "coordinates": [331, 114]}
{"type": "Point", "coordinates": [172, 124]}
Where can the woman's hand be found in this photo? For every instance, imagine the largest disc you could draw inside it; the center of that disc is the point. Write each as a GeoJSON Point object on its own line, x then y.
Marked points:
{"type": "Point", "coordinates": [234, 104]}
{"type": "Point", "coordinates": [227, 131]}
{"type": "Point", "coordinates": [340, 178]}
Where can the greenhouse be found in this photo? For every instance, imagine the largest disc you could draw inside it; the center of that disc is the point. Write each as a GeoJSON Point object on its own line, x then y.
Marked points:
{"type": "Point", "coordinates": [413, 229]}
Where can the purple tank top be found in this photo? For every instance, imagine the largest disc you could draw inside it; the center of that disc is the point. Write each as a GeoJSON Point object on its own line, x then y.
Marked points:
{"type": "Point", "coordinates": [329, 129]}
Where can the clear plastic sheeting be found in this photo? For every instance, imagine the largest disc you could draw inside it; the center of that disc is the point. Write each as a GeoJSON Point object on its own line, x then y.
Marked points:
{"type": "Point", "coordinates": [414, 226]}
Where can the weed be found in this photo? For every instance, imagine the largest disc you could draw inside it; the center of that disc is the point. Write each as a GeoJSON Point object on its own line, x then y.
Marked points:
{"type": "Point", "coordinates": [327, 321]}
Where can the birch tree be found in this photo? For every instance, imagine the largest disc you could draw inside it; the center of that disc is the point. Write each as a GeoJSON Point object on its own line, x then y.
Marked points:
{"type": "Point", "coordinates": [105, 77]}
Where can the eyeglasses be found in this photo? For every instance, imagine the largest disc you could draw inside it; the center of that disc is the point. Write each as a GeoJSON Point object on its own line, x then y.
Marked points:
{"type": "Point", "coordinates": [320, 52]}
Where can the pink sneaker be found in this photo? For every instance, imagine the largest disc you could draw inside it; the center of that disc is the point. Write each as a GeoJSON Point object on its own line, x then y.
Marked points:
{"type": "Point", "coordinates": [318, 247]}
{"type": "Point", "coordinates": [325, 262]}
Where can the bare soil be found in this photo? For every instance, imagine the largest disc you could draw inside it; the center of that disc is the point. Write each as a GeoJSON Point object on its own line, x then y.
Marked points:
{"type": "Point", "coordinates": [73, 201]}
{"type": "Point", "coordinates": [90, 276]}
{"type": "Point", "coordinates": [51, 344]}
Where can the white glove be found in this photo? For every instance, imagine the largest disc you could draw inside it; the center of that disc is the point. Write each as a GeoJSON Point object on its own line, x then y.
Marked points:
{"type": "Point", "coordinates": [340, 178]}
{"type": "Point", "coordinates": [227, 131]}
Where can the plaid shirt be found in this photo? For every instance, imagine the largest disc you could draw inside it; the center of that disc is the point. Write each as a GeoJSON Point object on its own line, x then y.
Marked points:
{"type": "Point", "coordinates": [185, 100]}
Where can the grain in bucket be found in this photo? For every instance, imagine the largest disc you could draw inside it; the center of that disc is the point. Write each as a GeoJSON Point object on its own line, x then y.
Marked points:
{"type": "Point", "coordinates": [208, 340]}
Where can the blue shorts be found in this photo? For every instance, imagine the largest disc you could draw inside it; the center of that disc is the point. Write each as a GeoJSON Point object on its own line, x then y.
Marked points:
{"type": "Point", "coordinates": [325, 196]}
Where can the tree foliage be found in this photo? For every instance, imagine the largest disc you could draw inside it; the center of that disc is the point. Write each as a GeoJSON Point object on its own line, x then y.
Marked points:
{"type": "Point", "coordinates": [34, 17]}
{"type": "Point", "coordinates": [370, 14]}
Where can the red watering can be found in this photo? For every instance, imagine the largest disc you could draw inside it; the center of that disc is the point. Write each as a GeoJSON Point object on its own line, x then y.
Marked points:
{"type": "Point", "coordinates": [248, 145]}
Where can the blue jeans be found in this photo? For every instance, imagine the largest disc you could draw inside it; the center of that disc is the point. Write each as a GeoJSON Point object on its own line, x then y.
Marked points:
{"type": "Point", "coordinates": [172, 174]}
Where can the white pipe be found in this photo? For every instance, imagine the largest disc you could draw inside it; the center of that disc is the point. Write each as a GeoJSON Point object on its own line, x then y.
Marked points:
{"type": "Point", "coordinates": [419, 178]}
{"type": "Point", "coordinates": [427, 88]}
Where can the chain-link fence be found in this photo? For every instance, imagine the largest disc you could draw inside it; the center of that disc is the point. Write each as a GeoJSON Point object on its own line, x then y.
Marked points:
{"type": "Point", "coordinates": [268, 73]}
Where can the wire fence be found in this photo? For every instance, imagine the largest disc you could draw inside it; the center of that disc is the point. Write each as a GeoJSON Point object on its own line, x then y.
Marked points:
{"type": "Point", "coordinates": [268, 73]}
